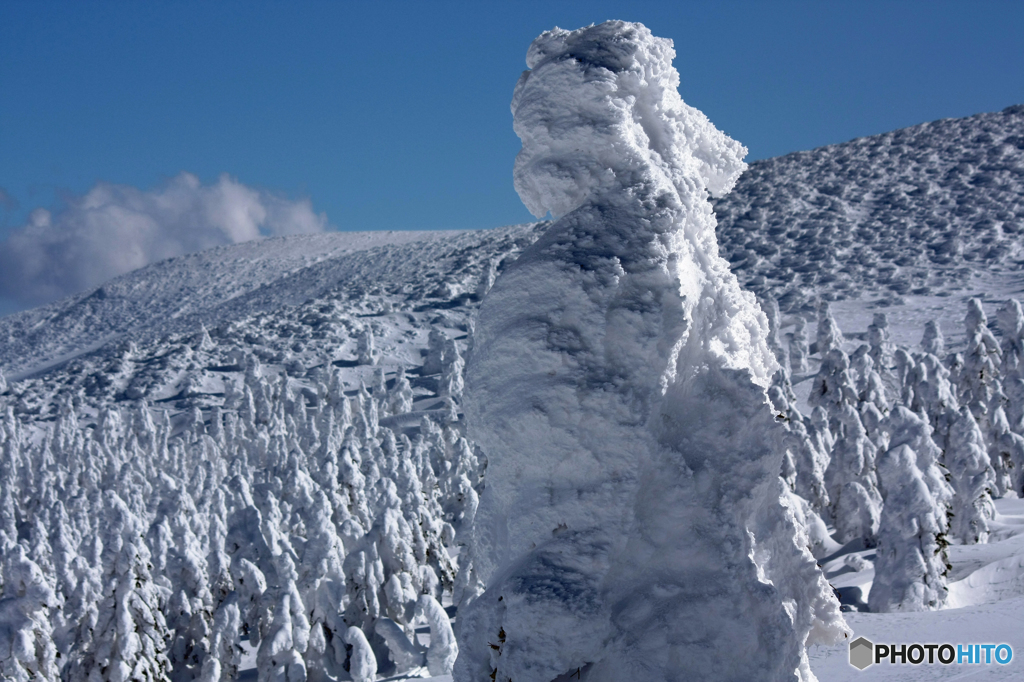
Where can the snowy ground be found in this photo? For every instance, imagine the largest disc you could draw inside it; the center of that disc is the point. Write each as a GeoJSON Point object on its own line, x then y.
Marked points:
{"type": "Point", "coordinates": [986, 605]}
{"type": "Point", "coordinates": [1001, 622]}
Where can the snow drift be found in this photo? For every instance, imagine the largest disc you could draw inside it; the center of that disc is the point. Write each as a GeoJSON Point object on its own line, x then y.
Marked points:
{"type": "Point", "coordinates": [631, 526]}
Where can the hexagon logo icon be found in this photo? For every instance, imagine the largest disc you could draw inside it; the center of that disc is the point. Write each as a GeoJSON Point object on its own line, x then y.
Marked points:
{"type": "Point", "coordinates": [861, 653]}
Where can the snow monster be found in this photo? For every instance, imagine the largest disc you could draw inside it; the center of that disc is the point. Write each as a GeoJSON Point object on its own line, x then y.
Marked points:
{"type": "Point", "coordinates": [631, 526]}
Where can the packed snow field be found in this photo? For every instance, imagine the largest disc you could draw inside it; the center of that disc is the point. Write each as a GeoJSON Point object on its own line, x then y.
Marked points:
{"type": "Point", "coordinates": [271, 460]}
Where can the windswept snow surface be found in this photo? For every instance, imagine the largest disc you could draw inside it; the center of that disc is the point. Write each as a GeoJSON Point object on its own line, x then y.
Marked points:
{"type": "Point", "coordinates": [631, 526]}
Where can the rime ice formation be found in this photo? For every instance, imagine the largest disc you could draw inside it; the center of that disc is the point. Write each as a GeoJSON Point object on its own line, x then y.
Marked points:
{"type": "Point", "coordinates": [631, 524]}
{"type": "Point", "coordinates": [911, 560]}
{"type": "Point", "coordinates": [972, 477]}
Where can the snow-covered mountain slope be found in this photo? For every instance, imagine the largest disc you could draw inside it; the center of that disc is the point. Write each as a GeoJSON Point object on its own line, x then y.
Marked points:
{"type": "Point", "coordinates": [918, 211]}
{"type": "Point", "coordinates": [300, 298]}
{"type": "Point", "coordinates": [226, 283]}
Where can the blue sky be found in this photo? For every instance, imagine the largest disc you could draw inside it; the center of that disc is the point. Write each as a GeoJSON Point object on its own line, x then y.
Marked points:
{"type": "Point", "coordinates": [394, 115]}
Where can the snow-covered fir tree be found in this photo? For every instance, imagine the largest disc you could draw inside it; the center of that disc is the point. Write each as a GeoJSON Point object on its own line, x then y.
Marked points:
{"type": "Point", "coordinates": [978, 382]}
{"type": "Point", "coordinates": [1006, 452]}
{"type": "Point", "coordinates": [362, 664]}
{"type": "Point", "coordinates": [852, 482]}
{"type": "Point", "coordinates": [911, 562]}
{"type": "Point", "coordinates": [1010, 319]}
{"type": "Point", "coordinates": [879, 339]}
{"type": "Point", "coordinates": [798, 347]}
{"type": "Point", "coordinates": [828, 336]}
{"type": "Point", "coordinates": [131, 636]}
{"type": "Point", "coordinates": [225, 655]}
{"type": "Point", "coordinates": [934, 396]}
{"type": "Point", "coordinates": [905, 427]}
{"type": "Point", "coordinates": [932, 341]}
{"type": "Point", "coordinates": [27, 602]}
{"type": "Point", "coordinates": [443, 648]}
{"type": "Point", "coordinates": [805, 454]}
{"type": "Point", "coordinates": [770, 306]}
{"type": "Point", "coordinates": [973, 479]}
{"type": "Point", "coordinates": [834, 388]}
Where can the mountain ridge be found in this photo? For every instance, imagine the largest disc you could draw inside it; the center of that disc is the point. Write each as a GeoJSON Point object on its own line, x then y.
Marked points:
{"type": "Point", "coordinates": [909, 212]}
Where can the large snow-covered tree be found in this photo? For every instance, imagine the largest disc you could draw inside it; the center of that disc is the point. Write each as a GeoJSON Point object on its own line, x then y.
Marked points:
{"type": "Point", "coordinates": [617, 387]}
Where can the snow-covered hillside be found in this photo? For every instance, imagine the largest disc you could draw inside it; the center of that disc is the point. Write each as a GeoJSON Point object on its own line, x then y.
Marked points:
{"type": "Point", "coordinates": [240, 438]}
{"type": "Point", "coordinates": [919, 211]}
{"type": "Point", "coordinates": [227, 284]}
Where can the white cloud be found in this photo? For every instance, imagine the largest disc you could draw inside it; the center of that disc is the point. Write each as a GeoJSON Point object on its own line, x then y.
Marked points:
{"type": "Point", "coordinates": [114, 229]}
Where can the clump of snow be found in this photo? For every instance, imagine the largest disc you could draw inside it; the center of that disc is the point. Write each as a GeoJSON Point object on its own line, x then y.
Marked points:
{"type": "Point", "coordinates": [631, 523]}
{"type": "Point", "coordinates": [362, 663]}
{"type": "Point", "coordinates": [640, 125]}
{"type": "Point", "coordinates": [443, 648]}
{"type": "Point", "coordinates": [405, 654]}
